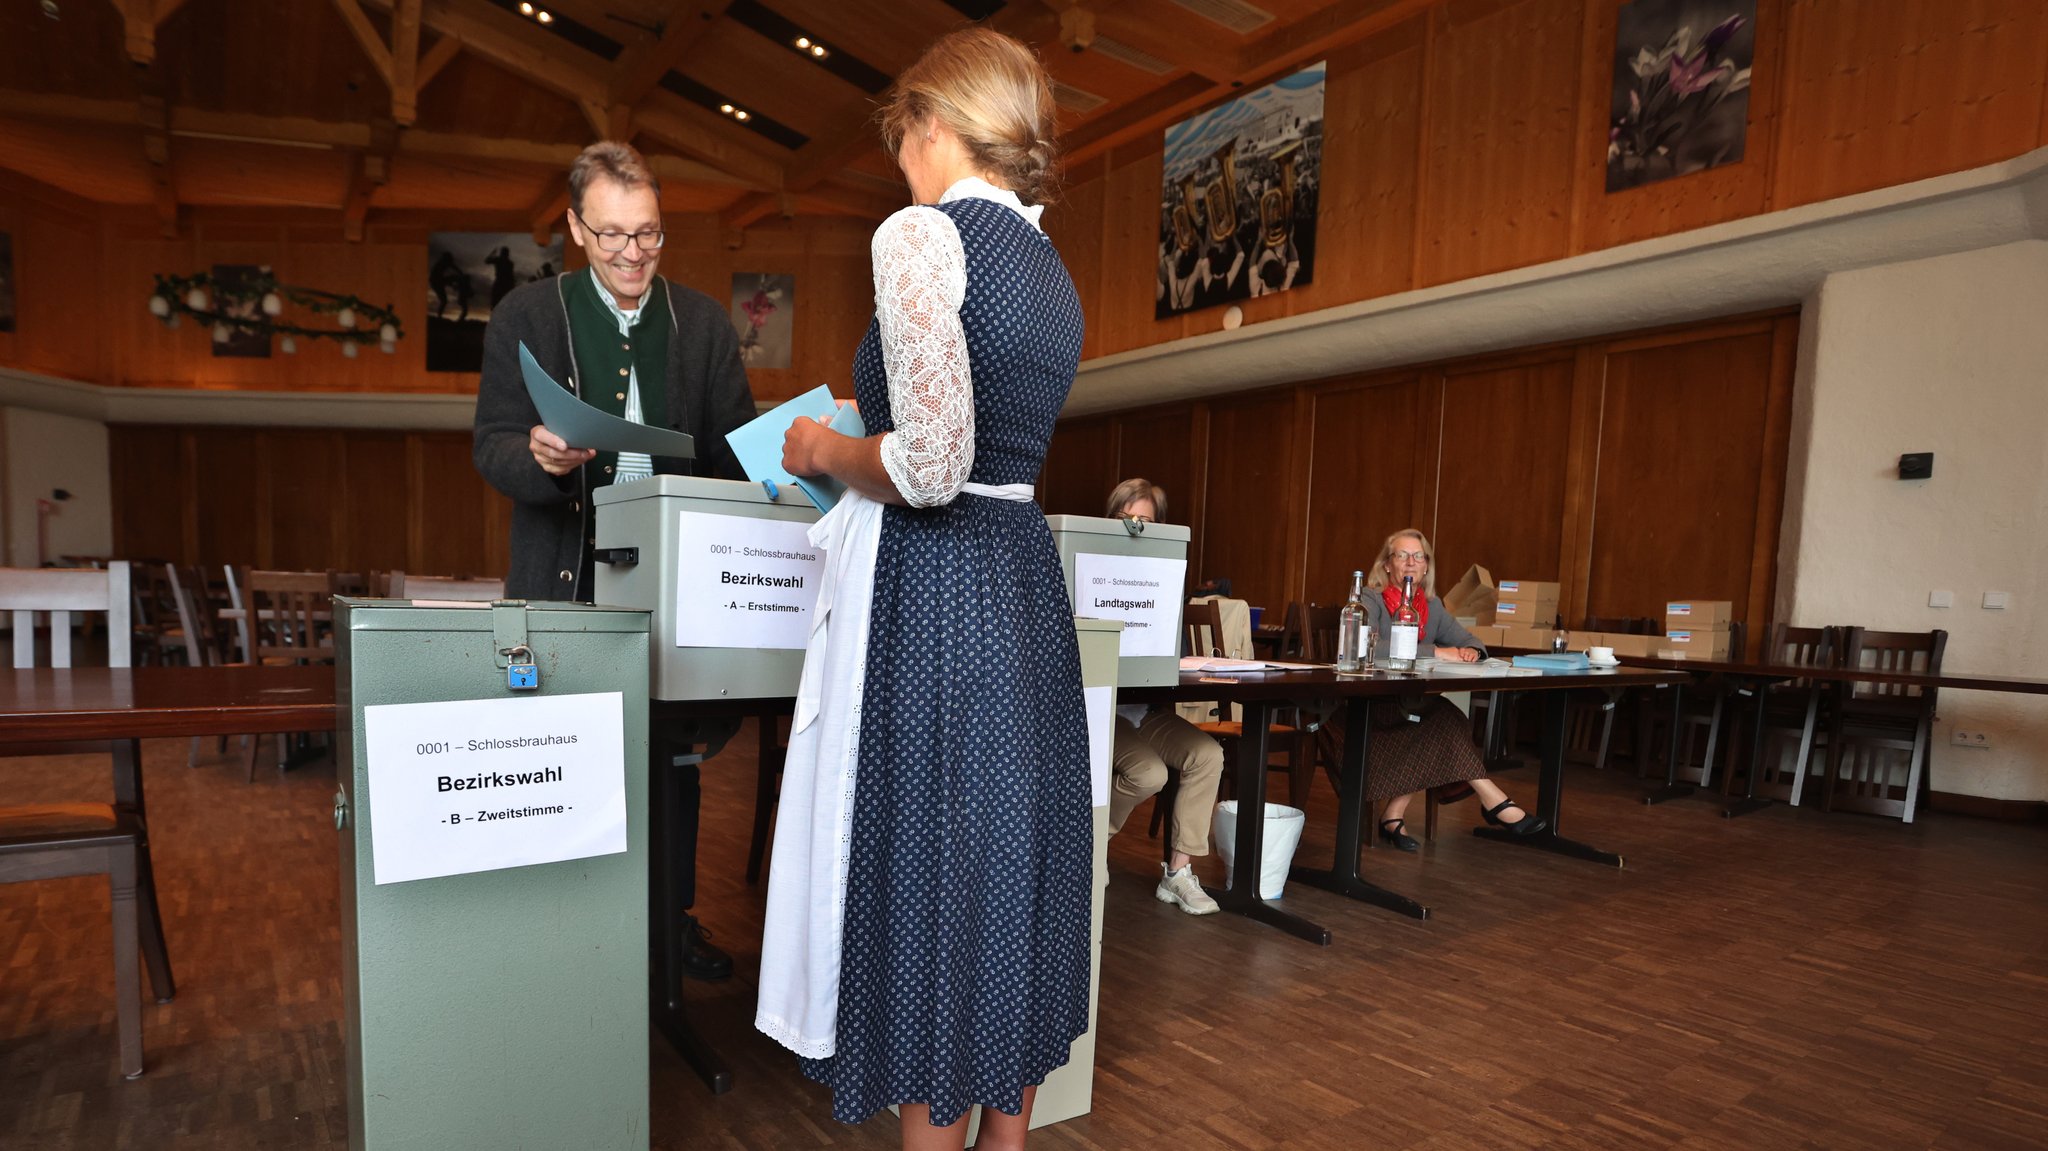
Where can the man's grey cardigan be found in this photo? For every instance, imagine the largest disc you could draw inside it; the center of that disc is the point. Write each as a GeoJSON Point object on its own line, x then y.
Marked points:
{"type": "Point", "coordinates": [552, 518]}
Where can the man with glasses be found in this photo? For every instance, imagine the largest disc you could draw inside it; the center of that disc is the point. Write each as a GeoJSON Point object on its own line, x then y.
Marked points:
{"type": "Point", "coordinates": [630, 343]}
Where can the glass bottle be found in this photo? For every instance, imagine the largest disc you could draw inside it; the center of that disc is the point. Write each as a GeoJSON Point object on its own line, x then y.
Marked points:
{"type": "Point", "coordinates": [1406, 632]}
{"type": "Point", "coordinates": [1351, 627]}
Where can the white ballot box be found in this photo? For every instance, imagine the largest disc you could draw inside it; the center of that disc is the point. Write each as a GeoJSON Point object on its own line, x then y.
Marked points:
{"type": "Point", "coordinates": [1137, 577]}
{"type": "Point", "coordinates": [728, 574]}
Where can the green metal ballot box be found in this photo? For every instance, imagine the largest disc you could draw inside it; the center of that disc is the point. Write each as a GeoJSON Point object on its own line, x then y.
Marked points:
{"type": "Point", "coordinates": [1133, 572]}
{"type": "Point", "coordinates": [727, 574]}
{"type": "Point", "coordinates": [492, 822]}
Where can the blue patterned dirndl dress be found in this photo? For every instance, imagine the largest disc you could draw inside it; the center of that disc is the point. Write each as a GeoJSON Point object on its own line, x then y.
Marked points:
{"type": "Point", "coordinates": [964, 972]}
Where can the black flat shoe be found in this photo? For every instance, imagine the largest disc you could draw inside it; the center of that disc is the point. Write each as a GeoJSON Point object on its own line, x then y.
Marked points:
{"type": "Point", "coordinates": [1527, 825]}
{"type": "Point", "coordinates": [700, 959]}
{"type": "Point", "coordinates": [1392, 835]}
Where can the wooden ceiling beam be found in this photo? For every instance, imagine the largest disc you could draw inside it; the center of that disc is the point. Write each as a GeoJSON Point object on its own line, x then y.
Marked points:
{"type": "Point", "coordinates": [152, 115]}
{"type": "Point", "coordinates": [706, 135]}
{"type": "Point", "coordinates": [139, 21]}
{"type": "Point", "coordinates": [367, 38]}
{"type": "Point", "coordinates": [1331, 27]}
{"type": "Point", "coordinates": [514, 45]}
{"type": "Point", "coordinates": [549, 214]}
{"type": "Point", "coordinates": [640, 68]}
{"type": "Point", "coordinates": [431, 63]}
{"type": "Point", "coordinates": [405, 61]}
{"type": "Point", "coordinates": [1163, 35]}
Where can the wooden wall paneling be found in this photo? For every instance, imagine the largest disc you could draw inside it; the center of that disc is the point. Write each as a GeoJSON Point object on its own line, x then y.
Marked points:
{"type": "Point", "coordinates": [1165, 445]}
{"type": "Point", "coordinates": [228, 479]}
{"type": "Point", "coordinates": [57, 254]}
{"type": "Point", "coordinates": [1729, 192]}
{"type": "Point", "coordinates": [376, 513]}
{"type": "Point", "coordinates": [1251, 454]}
{"type": "Point", "coordinates": [1075, 225]}
{"type": "Point", "coordinates": [1682, 446]}
{"type": "Point", "coordinates": [1371, 471]}
{"type": "Point", "coordinates": [309, 498]}
{"type": "Point", "coordinates": [449, 496]}
{"type": "Point", "coordinates": [1080, 467]}
{"type": "Point", "coordinates": [1501, 488]}
{"type": "Point", "coordinates": [1581, 470]}
{"type": "Point", "coordinates": [1504, 89]}
{"type": "Point", "coordinates": [1130, 256]}
{"type": "Point", "coordinates": [1770, 499]}
{"type": "Point", "coordinates": [150, 495]}
{"type": "Point", "coordinates": [1914, 89]}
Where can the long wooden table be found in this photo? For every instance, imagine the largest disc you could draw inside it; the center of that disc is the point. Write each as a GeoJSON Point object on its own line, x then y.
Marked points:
{"type": "Point", "coordinates": [42, 709]}
{"type": "Point", "coordinates": [1260, 694]}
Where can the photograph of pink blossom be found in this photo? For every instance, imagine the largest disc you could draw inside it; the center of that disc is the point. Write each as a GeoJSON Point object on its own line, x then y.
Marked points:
{"type": "Point", "coordinates": [764, 318]}
{"type": "Point", "coordinates": [1681, 88]}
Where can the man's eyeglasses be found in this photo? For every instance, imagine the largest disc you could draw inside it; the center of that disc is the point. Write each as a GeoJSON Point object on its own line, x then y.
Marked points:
{"type": "Point", "coordinates": [649, 241]}
{"type": "Point", "coordinates": [1138, 519]}
{"type": "Point", "coordinates": [1418, 557]}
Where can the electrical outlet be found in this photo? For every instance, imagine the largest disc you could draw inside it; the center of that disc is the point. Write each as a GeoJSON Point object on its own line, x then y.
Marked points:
{"type": "Point", "coordinates": [1962, 737]}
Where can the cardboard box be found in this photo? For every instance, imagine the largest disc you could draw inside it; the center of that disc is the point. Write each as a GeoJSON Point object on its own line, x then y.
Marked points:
{"type": "Point", "coordinates": [1525, 589]}
{"type": "Point", "coordinates": [1698, 615]}
{"type": "Point", "coordinates": [1526, 638]}
{"type": "Point", "coordinates": [1525, 613]}
{"type": "Point", "coordinates": [1695, 644]}
{"type": "Point", "coordinates": [1473, 596]}
{"type": "Point", "coordinates": [1639, 646]}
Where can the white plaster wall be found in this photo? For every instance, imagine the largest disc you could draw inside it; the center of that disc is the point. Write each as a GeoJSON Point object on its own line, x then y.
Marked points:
{"type": "Point", "coordinates": [43, 451]}
{"type": "Point", "coordinates": [1946, 355]}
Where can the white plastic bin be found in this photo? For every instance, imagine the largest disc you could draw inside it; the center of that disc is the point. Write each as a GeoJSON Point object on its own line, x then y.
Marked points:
{"type": "Point", "coordinates": [1283, 834]}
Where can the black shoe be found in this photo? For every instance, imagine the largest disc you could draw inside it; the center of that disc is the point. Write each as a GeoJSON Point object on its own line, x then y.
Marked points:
{"type": "Point", "coordinates": [1391, 834]}
{"type": "Point", "coordinates": [1527, 825]}
{"type": "Point", "coordinates": [700, 959]}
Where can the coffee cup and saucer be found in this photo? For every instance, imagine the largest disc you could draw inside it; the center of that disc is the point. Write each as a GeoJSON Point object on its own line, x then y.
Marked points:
{"type": "Point", "coordinates": [1602, 657]}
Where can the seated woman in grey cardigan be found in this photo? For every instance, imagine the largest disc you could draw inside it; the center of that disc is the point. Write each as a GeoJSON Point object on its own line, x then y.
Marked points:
{"type": "Point", "coordinates": [1407, 757]}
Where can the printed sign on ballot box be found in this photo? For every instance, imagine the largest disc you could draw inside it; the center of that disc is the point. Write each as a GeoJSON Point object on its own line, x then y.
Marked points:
{"type": "Point", "coordinates": [1142, 591]}
{"type": "Point", "coordinates": [745, 582]}
{"type": "Point", "coordinates": [483, 784]}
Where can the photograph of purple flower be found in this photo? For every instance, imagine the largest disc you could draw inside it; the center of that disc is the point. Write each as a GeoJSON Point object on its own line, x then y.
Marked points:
{"type": "Point", "coordinates": [1681, 88]}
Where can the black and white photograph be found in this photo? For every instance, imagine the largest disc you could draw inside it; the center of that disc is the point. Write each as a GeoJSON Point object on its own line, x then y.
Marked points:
{"type": "Point", "coordinates": [6, 281]}
{"type": "Point", "coordinates": [1237, 206]}
{"type": "Point", "coordinates": [1680, 100]}
{"type": "Point", "coordinates": [764, 317]}
{"type": "Point", "coordinates": [467, 274]}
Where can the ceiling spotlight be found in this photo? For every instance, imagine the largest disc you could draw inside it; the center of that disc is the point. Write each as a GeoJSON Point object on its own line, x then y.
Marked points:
{"type": "Point", "coordinates": [525, 9]}
{"type": "Point", "coordinates": [740, 114]}
{"type": "Point", "coordinates": [545, 16]}
{"type": "Point", "coordinates": [725, 108]}
{"type": "Point", "coordinates": [818, 50]}
{"type": "Point", "coordinates": [51, 10]}
{"type": "Point", "coordinates": [803, 41]}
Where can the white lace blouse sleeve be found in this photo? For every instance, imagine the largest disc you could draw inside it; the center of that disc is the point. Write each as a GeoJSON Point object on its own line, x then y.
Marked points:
{"type": "Point", "coordinates": [920, 281]}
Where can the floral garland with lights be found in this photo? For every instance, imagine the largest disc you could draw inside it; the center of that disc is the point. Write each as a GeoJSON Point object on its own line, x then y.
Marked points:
{"type": "Point", "coordinates": [252, 304]}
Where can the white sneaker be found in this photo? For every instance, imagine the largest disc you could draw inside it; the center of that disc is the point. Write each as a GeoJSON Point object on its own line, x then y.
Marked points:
{"type": "Point", "coordinates": [1183, 888]}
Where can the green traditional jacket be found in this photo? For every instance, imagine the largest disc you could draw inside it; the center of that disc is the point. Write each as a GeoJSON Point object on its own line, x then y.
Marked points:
{"type": "Point", "coordinates": [604, 359]}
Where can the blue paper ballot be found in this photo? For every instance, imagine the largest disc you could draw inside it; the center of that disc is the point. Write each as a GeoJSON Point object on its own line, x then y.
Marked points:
{"type": "Point", "coordinates": [583, 426]}
{"type": "Point", "coordinates": [758, 443]}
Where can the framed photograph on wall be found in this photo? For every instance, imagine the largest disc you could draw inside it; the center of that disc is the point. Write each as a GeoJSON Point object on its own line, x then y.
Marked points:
{"type": "Point", "coordinates": [1237, 205]}
{"type": "Point", "coordinates": [1680, 100]}
{"type": "Point", "coordinates": [233, 280]}
{"type": "Point", "coordinates": [467, 274]}
{"type": "Point", "coordinates": [764, 317]}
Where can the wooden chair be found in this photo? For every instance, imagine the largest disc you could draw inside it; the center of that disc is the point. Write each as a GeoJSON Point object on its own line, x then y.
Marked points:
{"type": "Point", "coordinates": [1875, 722]}
{"type": "Point", "coordinates": [52, 841]}
{"type": "Point", "coordinates": [154, 618]}
{"type": "Point", "coordinates": [290, 622]}
{"type": "Point", "coordinates": [1705, 705]}
{"type": "Point", "coordinates": [1585, 714]}
{"type": "Point", "coordinates": [1790, 709]}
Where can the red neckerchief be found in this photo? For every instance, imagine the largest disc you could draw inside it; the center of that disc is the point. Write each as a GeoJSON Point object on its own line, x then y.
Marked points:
{"type": "Point", "coordinates": [1393, 598]}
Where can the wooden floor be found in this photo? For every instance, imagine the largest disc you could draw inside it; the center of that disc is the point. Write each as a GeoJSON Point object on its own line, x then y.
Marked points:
{"type": "Point", "coordinates": [1787, 980]}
